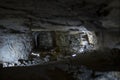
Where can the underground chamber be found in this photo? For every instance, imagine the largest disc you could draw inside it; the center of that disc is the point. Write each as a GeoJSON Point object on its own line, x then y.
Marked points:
{"type": "Point", "coordinates": [59, 40]}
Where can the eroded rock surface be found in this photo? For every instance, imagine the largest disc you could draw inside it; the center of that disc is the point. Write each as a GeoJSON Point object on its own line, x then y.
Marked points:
{"type": "Point", "coordinates": [15, 40]}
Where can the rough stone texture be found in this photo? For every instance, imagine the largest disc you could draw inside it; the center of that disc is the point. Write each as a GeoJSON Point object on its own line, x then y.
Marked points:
{"type": "Point", "coordinates": [45, 41]}
{"type": "Point", "coordinates": [68, 12]}
{"type": "Point", "coordinates": [63, 15]}
{"type": "Point", "coordinates": [108, 39]}
{"type": "Point", "coordinates": [18, 16]}
{"type": "Point", "coordinates": [111, 39]}
{"type": "Point", "coordinates": [58, 45]}
{"type": "Point", "coordinates": [14, 25]}
{"type": "Point", "coordinates": [15, 40]}
{"type": "Point", "coordinates": [14, 47]}
{"type": "Point", "coordinates": [99, 66]}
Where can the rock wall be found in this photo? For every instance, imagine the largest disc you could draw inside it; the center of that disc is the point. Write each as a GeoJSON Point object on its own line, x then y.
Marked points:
{"type": "Point", "coordinates": [14, 47]}
{"type": "Point", "coordinates": [110, 39]}
{"type": "Point", "coordinates": [15, 40]}
{"type": "Point", "coordinates": [24, 15]}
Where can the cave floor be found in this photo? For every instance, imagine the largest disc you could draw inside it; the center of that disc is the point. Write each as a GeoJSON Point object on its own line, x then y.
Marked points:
{"type": "Point", "coordinates": [94, 62]}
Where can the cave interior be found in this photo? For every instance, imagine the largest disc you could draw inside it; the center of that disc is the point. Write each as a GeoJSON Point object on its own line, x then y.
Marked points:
{"type": "Point", "coordinates": [59, 40]}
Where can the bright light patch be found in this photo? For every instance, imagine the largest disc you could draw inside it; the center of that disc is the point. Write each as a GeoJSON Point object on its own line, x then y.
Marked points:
{"type": "Point", "coordinates": [73, 55]}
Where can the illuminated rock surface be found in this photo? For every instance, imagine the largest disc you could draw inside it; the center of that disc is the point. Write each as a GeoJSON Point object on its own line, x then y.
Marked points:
{"type": "Point", "coordinates": [18, 18]}
{"type": "Point", "coordinates": [14, 47]}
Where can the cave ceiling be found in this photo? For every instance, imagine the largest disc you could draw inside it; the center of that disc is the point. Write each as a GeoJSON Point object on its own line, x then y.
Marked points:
{"type": "Point", "coordinates": [94, 14]}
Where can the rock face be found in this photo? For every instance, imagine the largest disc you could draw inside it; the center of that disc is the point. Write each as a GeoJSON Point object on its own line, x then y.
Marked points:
{"type": "Point", "coordinates": [45, 40]}
{"type": "Point", "coordinates": [15, 40]}
{"type": "Point", "coordinates": [56, 14]}
{"type": "Point", "coordinates": [108, 39]}
{"type": "Point", "coordinates": [18, 18]}
{"type": "Point", "coordinates": [67, 12]}
{"type": "Point", "coordinates": [14, 47]}
{"type": "Point", "coordinates": [58, 45]}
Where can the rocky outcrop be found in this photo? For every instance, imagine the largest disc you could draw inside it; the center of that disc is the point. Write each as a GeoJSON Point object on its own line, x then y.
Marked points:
{"type": "Point", "coordinates": [14, 47]}
{"type": "Point", "coordinates": [15, 41]}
